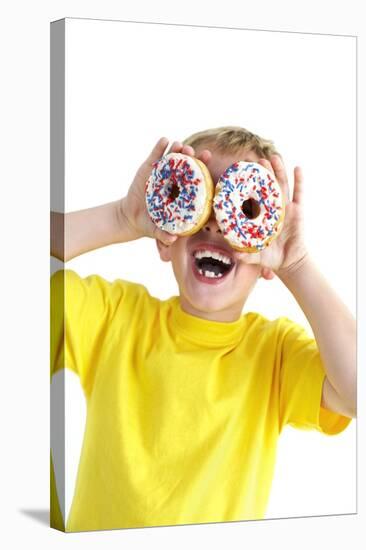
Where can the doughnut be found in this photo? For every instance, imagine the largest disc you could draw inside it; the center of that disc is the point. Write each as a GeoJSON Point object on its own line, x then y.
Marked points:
{"type": "Point", "coordinates": [179, 194]}
{"type": "Point", "coordinates": [249, 206]}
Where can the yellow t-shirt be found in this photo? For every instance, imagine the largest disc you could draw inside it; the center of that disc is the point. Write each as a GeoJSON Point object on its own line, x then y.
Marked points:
{"type": "Point", "coordinates": [183, 414]}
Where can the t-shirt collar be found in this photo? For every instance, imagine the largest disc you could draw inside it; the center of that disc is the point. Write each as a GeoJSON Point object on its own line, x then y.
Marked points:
{"type": "Point", "coordinates": [205, 331]}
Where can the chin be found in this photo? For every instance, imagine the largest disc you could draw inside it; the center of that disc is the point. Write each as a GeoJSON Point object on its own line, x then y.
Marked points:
{"type": "Point", "coordinates": [210, 301]}
{"type": "Point", "coordinates": [207, 305]}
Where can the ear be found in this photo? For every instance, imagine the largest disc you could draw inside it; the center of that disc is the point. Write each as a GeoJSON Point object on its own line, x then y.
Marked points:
{"type": "Point", "coordinates": [164, 251]}
{"type": "Point", "coordinates": [267, 273]}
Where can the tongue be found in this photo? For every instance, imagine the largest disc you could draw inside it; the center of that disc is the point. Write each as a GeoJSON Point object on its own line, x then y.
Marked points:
{"type": "Point", "coordinates": [207, 265]}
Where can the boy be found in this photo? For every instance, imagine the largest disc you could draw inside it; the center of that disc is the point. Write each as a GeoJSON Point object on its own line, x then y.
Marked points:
{"type": "Point", "coordinates": [187, 397]}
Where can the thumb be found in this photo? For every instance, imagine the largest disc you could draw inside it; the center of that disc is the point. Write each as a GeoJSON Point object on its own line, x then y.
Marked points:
{"type": "Point", "coordinates": [163, 236]}
{"type": "Point", "coordinates": [267, 274]}
{"type": "Point", "coordinates": [158, 150]}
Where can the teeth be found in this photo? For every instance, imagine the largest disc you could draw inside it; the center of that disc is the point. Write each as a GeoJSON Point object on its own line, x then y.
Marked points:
{"type": "Point", "coordinates": [224, 259]}
{"type": "Point", "coordinates": [210, 254]}
{"type": "Point", "coordinates": [211, 275]}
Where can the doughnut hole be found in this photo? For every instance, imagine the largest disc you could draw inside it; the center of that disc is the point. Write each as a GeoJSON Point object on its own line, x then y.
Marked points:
{"type": "Point", "coordinates": [251, 208]}
{"type": "Point", "coordinates": [174, 192]}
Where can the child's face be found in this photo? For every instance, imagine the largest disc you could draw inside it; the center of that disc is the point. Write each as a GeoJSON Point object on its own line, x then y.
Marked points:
{"type": "Point", "coordinates": [219, 299]}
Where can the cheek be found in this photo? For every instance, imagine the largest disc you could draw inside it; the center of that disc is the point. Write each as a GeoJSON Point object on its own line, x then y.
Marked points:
{"type": "Point", "coordinates": [178, 252]}
{"type": "Point", "coordinates": [179, 259]}
{"type": "Point", "coordinates": [249, 272]}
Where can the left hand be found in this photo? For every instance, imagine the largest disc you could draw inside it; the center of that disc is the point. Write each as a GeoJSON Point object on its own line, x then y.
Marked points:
{"type": "Point", "coordinates": [288, 249]}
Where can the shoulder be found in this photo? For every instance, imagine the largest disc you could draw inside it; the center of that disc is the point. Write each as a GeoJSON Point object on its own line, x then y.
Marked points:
{"type": "Point", "coordinates": [99, 288]}
{"type": "Point", "coordinates": [261, 324]}
{"type": "Point", "coordinates": [276, 334]}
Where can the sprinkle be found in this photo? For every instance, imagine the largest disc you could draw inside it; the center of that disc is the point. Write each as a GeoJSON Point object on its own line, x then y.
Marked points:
{"type": "Point", "coordinates": [233, 190]}
{"type": "Point", "coordinates": [165, 210]}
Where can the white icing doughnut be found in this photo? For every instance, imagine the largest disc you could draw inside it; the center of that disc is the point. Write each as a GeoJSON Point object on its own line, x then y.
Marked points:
{"type": "Point", "coordinates": [249, 206]}
{"type": "Point", "coordinates": [179, 194]}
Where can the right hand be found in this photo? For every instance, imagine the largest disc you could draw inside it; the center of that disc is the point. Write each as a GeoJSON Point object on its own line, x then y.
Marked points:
{"type": "Point", "coordinates": [133, 207]}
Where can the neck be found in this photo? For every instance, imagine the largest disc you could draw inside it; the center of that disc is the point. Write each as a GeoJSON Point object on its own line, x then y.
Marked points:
{"type": "Point", "coordinates": [227, 315]}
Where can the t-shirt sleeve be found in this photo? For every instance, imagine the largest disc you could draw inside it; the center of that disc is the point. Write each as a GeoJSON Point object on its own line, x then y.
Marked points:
{"type": "Point", "coordinates": [301, 383]}
{"type": "Point", "coordinates": [81, 312]}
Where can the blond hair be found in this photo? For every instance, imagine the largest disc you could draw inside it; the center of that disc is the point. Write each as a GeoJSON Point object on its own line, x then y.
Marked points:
{"type": "Point", "coordinates": [230, 139]}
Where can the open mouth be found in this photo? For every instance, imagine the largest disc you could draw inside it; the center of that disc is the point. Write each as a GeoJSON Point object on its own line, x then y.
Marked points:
{"type": "Point", "coordinates": [211, 265]}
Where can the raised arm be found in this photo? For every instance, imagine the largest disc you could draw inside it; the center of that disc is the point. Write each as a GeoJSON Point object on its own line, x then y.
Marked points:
{"type": "Point", "coordinates": [334, 330]}
{"type": "Point", "coordinates": [120, 221]}
{"type": "Point", "coordinates": [333, 325]}
{"type": "Point", "coordinates": [78, 232]}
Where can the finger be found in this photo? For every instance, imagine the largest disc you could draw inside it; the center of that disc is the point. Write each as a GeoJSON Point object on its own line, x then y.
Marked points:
{"type": "Point", "coordinates": [298, 185]}
{"type": "Point", "coordinates": [163, 236]}
{"type": "Point", "coordinates": [267, 274]}
{"type": "Point", "coordinates": [176, 147]}
{"type": "Point", "coordinates": [266, 164]}
{"type": "Point", "coordinates": [158, 150]}
{"type": "Point", "coordinates": [187, 150]}
{"type": "Point", "coordinates": [281, 175]}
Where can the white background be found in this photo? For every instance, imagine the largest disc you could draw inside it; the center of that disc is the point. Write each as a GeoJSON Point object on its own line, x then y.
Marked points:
{"type": "Point", "coordinates": [25, 162]}
{"type": "Point", "coordinates": [129, 83]}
